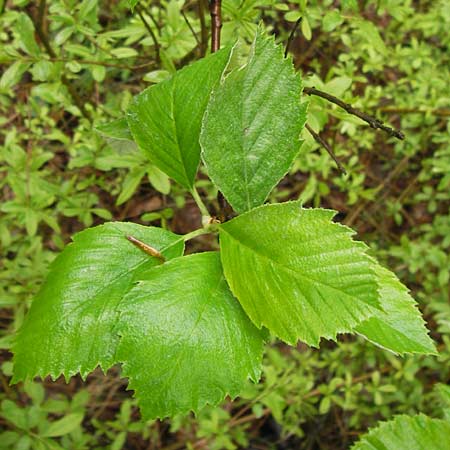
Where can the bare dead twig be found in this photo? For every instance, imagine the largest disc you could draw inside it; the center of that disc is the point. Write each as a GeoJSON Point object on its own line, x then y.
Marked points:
{"type": "Point", "coordinates": [291, 36]}
{"type": "Point", "coordinates": [190, 28]}
{"type": "Point", "coordinates": [150, 31]}
{"type": "Point", "coordinates": [372, 121]}
{"type": "Point", "coordinates": [325, 145]}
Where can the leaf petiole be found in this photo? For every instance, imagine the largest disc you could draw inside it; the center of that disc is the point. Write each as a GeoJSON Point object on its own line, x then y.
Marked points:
{"type": "Point", "coordinates": [199, 202]}
{"type": "Point", "coordinates": [195, 233]}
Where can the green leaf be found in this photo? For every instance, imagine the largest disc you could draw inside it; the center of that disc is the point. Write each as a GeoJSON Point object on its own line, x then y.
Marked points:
{"type": "Point", "coordinates": [306, 28]}
{"type": "Point", "coordinates": [13, 74]}
{"type": "Point", "coordinates": [69, 326]}
{"type": "Point", "coordinates": [399, 327]}
{"type": "Point", "coordinates": [130, 184]}
{"type": "Point", "coordinates": [124, 52]}
{"type": "Point", "coordinates": [159, 180]}
{"type": "Point", "coordinates": [118, 136]}
{"type": "Point", "coordinates": [369, 32]}
{"type": "Point", "coordinates": [17, 416]}
{"type": "Point", "coordinates": [63, 426]}
{"type": "Point", "coordinates": [87, 7]}
{"type": "Point", "coordinates": [298, 273]}
{"type": "Point", "coordinates": [337, 86]}
{"type": "Point", "coordinates": [250, 133]}
{"type": "Point", "coordinates": [442, 394]}
{"type": "Point", "coordinates": [98, 73]}
{"type": "Point", "coordinates": [25, 29]}
{"type": "Point", "coordinates": [132, 4]}
{"type": "Point", "coordinates": [349, 4]}
{"type": "Point", "coordinates": [407, 433]}
{"type": "Point", "coordinates": [185, 340]}
{"type": "Point", "coordinates": [165, 119]}
{"type": "Point", "coordinates": [42, 70]}
{"type": "Point", "coordinates": [332, 20]}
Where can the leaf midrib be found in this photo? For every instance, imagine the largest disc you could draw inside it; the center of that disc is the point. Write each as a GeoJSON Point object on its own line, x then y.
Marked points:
{"type": "Point", "coordinates": [109, 284]}
{"type": "Point", "coordinates": [187, 337]}
{"type": "Point", "coordinates": [310, 279]}
{"type": "Point", "coordinates": [175, 129]}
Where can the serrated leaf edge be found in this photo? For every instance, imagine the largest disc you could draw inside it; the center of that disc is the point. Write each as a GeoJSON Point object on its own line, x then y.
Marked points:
{"type": "Point", "coordinates": [304, 108]}
{"type": "Point", "coordinates": [349, 232]}
{"type": "Point", "coordinates": [414, 303]}
{"type": "Point", "coordinates": [83, 372]}
{"type": "Point", "coordinates": [224, 393]}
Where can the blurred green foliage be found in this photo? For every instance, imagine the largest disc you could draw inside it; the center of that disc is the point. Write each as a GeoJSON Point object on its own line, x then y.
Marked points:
{"type": "Point", "coordinates": [58, 175]}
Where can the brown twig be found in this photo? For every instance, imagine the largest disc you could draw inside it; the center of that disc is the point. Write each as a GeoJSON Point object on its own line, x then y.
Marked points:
{"type": "Point", "coordinates": [150, 31]}
{"type": "Point", "coordinates": [38, 23]}
{"type": "Point", "coordinates": [434, 112]}
{"type": "Point", "coordinates": [291, 36]}
{"type": "Point", "coordinates": [155, 22]}
{"type": "Point", "coordinates": [93, 63]}
{"type": "Point", "coordinates": [215, 9]}
{"type": "Point", "coordinates": [203, 29]}
{"type": "Point", "coordinates": [325, 145]}
{"type": "Point", "coordinates": [146, 248]}
{"type": "Point", "coordinates": [372, 121]}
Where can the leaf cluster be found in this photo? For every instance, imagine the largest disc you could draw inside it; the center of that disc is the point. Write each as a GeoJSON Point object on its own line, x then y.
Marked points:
{"type": "Point", "coordinates": [192, 329]}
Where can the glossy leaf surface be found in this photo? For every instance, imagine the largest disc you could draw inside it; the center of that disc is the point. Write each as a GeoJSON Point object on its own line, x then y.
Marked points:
{"type": "Point", "coordinates": [165, 119]}
{"type": "Point", "coordinates": [407, 433]}
{"type": "Point", "coordinates": [298, 273]}
{"type": "Point", "coordinates": [399, 327]}
{"type": "Point", "coordinates": [185, 340]}
{"type": "Point", "coordinates": [251, 129]}
{"type": "Point", "coordinates": [69, 327]}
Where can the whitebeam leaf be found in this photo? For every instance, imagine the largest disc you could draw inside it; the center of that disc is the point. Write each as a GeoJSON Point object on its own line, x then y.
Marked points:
{"type": "Point", "coordinates": [185, 340]}
{"type": "Point", "coordinates": [399, 327]}
{"type": "Point", "coordinates": [407, 433]}
{"type": "Point", "coordinates": [298, 273]}
{"type": "Point", "coordinates": [165, 119]}
{"type": "Point", "coordinates": [250, 133]}
{"type": "Point", "coordinates": [69, 327]}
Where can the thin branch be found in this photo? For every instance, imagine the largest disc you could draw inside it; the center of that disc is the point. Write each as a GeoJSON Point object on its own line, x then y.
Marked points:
{"type": "Point", "coordinates": [190, 27]}
{"type": "Point", "coordinates": [372, 121]}
{"type": "Point", "coordinates": [152, 18]}
{"type": "Point", "coordinates": [215, 9]}
{"type": "Point", "coordinates": [325, 145]}
{"type": "Point", "coordinates": [291, 36]}
{"type": "Point", "coordinates": [38, 23]}
{"type": "Point", "coordinates": [434, 112]}
{"type": "Point", "coordinates": [39, 26]}
{"type": "Point", "coordinates": [152, 34]}
{"type": "Point", "coordinates": [91, 63]}
{"type": "Point", "coordinates": [203, 29]}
